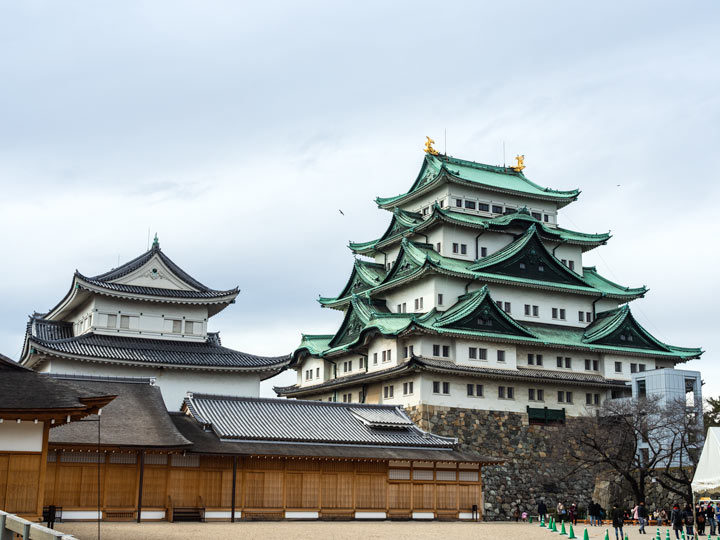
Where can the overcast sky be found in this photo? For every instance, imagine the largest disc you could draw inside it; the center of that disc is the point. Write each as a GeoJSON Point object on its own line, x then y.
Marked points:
{"type": "Point", "coordinates": [238, 130]}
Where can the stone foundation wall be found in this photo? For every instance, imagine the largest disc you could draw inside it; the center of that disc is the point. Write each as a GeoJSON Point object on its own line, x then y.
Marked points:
{"type": "Point", "coordinates": [537, 464]}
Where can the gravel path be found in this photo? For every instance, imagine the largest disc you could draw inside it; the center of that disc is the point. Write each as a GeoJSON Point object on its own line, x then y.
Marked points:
{"type": "Point", "coordinates": [348, 530]}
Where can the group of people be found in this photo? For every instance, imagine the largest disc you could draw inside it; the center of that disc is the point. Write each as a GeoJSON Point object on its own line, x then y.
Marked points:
{"type": "Point", "coordinates": [707, 515]}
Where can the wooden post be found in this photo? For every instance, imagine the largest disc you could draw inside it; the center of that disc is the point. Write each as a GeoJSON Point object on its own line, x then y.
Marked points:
{"type": "Point", "coordinates": [234, 489]}
{"type": "Point", "coordinates": [140, 485]}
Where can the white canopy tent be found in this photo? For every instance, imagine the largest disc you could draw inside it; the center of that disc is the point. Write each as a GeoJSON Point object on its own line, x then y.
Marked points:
{"type": "Point", "coordinates": [707, 473]}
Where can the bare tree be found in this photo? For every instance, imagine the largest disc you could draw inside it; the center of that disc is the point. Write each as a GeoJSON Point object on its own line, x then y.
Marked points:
{"type": "Point", "coordinates": [623, 435]}
{"type": "Point", "coordinates": [682, 440]}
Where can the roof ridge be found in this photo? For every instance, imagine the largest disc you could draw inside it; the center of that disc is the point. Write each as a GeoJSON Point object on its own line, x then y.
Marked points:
{"type": "Point", "coordinates": [292, 402]}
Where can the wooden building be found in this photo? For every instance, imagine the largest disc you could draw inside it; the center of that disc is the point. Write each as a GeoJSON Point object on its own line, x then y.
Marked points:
{"type": "Point", "coordinates": [232, 458]}
{"type": "Point", "coordinates": [31, 404]}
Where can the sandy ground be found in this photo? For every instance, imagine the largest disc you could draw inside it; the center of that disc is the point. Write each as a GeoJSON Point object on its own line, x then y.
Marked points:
{"type": "Point", "coordinates": [348, 530]}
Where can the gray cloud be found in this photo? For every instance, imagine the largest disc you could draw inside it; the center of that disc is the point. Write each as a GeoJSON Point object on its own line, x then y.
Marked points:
{"type": "Point", "coordinates": [237, 130]}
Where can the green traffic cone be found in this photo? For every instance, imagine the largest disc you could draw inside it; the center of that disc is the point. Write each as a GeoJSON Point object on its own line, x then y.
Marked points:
{"type": "Point", "coordinates": [626, 536]}
{"type": "Point", "coordinates": [562, 529]}
{"type": "Point", "coordinates": [542, 522]}
{"type": "Point", "coordinates": [530, 519]}
{"type": "Point", "coordinates": [586, 536]}
{"type": "Point", "coordinates": [572, 533]}
{"type": "Point", "coordinates": [667, 534]}
{"type": "Point", "coordinates": [607, 536]}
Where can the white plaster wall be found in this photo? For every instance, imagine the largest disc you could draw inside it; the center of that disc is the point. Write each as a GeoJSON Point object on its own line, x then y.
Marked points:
{"type": "Point", "coordinates": [26, 436]}
{"type": "Point", "coordinates": [428, 199]}
{"type": "Point", "coordinates": [458, 395]}
{"type": "Point", "coordinates": [491, 197]}
{"type": "Point", "coordinates": [609, 365]}
{"type": "Point", "coordinates": [423, 288]}
{"type": "Point", "coordinates": [378, 345]}
{"type": "Point", "coordinates": [149, 319]}
{"type": "Point", "coordinates": [173, 383]}
{"type": "Point", "coordinates": [462, 357]}
{"type": "Point", "coordinates": [569, 253]}
{"type": "Point", "coordinates": [546, 300]}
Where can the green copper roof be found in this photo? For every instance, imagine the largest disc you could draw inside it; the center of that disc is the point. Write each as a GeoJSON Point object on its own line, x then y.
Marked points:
{"type": "Point", "coordinates": [403, 227]}
{"type": "Point", "coordinates": [475, 315]}
{"type": "Point", "coordinates": [437, 169]}
{"type": "Point", "coordinates": [541, 270]}
{"type": "Point", "coordinates": [315, 344]}
{"type": "Point", "coordinates": [364, 276]}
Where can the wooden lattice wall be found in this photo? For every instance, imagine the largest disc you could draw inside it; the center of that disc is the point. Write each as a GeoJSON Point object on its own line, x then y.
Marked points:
{"type": "Point", "coordinates": [265, 487]}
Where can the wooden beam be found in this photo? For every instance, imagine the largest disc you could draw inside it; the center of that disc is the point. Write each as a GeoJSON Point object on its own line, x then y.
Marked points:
{"type": "Point", "coordinates": [234, 489]}
{"type": "Point", "coordinates": [140, 485]}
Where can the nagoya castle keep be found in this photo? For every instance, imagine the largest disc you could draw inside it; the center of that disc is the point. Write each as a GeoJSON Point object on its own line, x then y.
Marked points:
{"type": "Point", "coordinates": [476, 298]}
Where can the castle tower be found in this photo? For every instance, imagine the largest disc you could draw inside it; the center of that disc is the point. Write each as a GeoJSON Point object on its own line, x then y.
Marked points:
{"type": "Point", "coordinates": [474, 297]}
{"type": "Point", "coordinates": [146, 318]}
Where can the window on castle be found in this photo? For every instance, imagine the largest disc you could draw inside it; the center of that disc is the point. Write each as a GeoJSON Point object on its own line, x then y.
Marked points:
{"type": "Point", "coordinates": [472, 353]}
{"type": "Point", "coordinates": [510, 392]}
{"type": "Point", "coordinates": [531, 359]}
{"type": "Point", "coordinates": [581, 316]}
{"type": "Point", "coordinates": [425, 211]}
{"type": "Point", "coordinates": [564, 261]}
{"type": "Point", "coordinates": [501, 392]}
{"type": "Point", "coordinates": [483, 252]}
{"type": "Point", "coordinates": [463, 249]}
{"type": "Point", "coordinates": [482, 354]}
{"type": "Point", "coordinates": [536, 394]}
{"type": "Point", "coordinates": [191, 327]}
{"type": "Point", "coordinates": [442, 204]}
{"type": "Point", "coordinates": [458, 203]}
{"type": "Point", "coordinates": [407, 388]}
{"type": "Point", "coordinates": [470, 205]}
{"type": "Point", "coordinates": [456, 248]}
{"type": "Point", "coordinates": [537, 215]}
{"type": "Point", "coordinates": [507, 307]}
{"type": "Point", "coordinates": [571, 265]}
{"type": "Point", "coordinates": [436, 350]}
{"type": "Point", "coordinates": [176, 326]}
{"type": "Point", "coordinates": [633, 368]}
{"type": "Point", "coordinates": [497, 209]}
{"type": "Point", "coordinates": [440, 299]}
{"type": "Point", "coordinates": [618, 367]}
{"type": "Point", "coordinates": [404, 307]}
{"type": "Point", "coordinates": [317, 373]}
{"type": "Point", "coordinates": [588, 316]}
{"type": "Point", "coordinates": [531, 394]}
{"type": "Point", "coordinates": [546, 218]}
{"type": "Point", "coordinates": [388, 391]}
{"type": "Point", "coordinates": [536, 311]}
{"type": "Point", "coordinates": [437, 247]}
{"type": "Point", "coordinates": [436, 387]}
{"type": "Point", "coordinates": [446, 351]}
{"type": "Point", "coordinates": [446, 388]}
{"type": "Point", "coordinates": [562, 314]}
{"type": "Point", "coordinates": [527, 309]}
{"type": "Point", "coordinates": [641, 367]}
{"type": "Point", "coordinates": [125, 323]}
{"type": "Point", "coordinates": [112, 321]}
{"type": "Point", "coordinates": [596, 365]}
{"type": "Point", "coordinates": [541, 268]}
{"type": "Point", "coordinates": [406, 351]}
{"type": "Point", "coordinates": [565, 397]}
{"type": "Point", "coordinates": [501, 356]}
{"type": "Point", "coordinates": [374, 358]}
{"type": "Point", "coordinates": [475, 389]}
{"type": "Point", "coordinates": [554, 313]}
{"type": "Point", "coordinates": [588, 399]}
{"type": "Point", "coordinates": [399, 310]}
{"type": "Point", "coordinates": [568, 363]}
{"type": "Point", "coordinates": [484, 207]}
{"type": "Point", "coordinates": [588, 365]}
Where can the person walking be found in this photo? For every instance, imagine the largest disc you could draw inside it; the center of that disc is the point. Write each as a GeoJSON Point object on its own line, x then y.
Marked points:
{"type": "Point", "coordinates": [572, 514]}
{"type": "Point", "coordinates": [542, 511]}
{"type": "Point", "coordinates": [676, 519]}
{"type": "Point", "coordinates": [700, 516]}
{"type": "Point", "coordinates": [560, 509]}
{"type": "Point", "coordinates": [617, 522]}
{"type": "Point", "coordinates": [689, 521]}
{"type": "Point", "coordinates": [642, 517]}
{"type": "Point", "coordinates": [662, 517]}
{"type": "Point", "coordinates": [592, 513]}
{"type": "Point", "coordinates": [710, 517]}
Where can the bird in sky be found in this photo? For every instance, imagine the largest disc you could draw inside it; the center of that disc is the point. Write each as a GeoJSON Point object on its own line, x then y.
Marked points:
{"type": "Point", "coordinates": [343, 213]}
